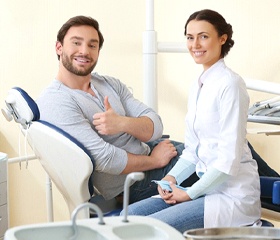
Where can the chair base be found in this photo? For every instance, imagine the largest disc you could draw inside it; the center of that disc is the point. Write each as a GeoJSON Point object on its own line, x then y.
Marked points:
{"type": "Point", "coordinates": [266, 223]}
{"type": "Point", "coordinates": [109, 207]}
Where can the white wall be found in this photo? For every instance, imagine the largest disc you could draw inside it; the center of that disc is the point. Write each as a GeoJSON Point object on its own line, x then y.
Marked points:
{"type": "Point", "coordinates": [28, 60]}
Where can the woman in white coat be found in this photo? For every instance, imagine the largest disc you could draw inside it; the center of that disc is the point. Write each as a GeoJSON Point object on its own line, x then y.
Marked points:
{"type": "Point", "coordinates": [227, 193]}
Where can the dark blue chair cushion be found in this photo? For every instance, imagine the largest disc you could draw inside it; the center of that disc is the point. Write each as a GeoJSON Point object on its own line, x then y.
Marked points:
{"type": "Point", "coordinates": [270, 193]}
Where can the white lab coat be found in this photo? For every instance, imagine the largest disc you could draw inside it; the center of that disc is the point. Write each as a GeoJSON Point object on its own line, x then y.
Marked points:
{"type": "Point", "coordinates": [216, 136]}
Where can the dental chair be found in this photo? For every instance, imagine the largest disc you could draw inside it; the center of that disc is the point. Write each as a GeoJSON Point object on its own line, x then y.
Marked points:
{"type": "Point", "coordinates": [270, 197]}
{"type": "Point", "coordinates": [66, 161]}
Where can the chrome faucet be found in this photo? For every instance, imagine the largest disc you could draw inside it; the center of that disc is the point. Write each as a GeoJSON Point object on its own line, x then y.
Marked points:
{"type": "Point", "coordinates": [76, 211]}
{"type": "Point", "coordinates": [136, 176]}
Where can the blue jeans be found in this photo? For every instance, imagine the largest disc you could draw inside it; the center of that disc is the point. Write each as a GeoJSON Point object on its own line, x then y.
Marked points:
{"type": "Point", "coordinates": [145, 188]}
{"type": "Point", "coordinates": [182, 216]}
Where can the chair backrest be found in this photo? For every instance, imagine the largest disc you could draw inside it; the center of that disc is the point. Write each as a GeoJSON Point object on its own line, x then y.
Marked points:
{"type": "Point", "coordinates": [270, 197]}
{"type": "Point", "coordinates": [66, 161]}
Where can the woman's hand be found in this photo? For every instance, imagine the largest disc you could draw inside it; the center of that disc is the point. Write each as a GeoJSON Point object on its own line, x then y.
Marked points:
{"type": "Point", "coordinates": [176, 196]}
{"type": "Point", "coordinates": [169, 179]}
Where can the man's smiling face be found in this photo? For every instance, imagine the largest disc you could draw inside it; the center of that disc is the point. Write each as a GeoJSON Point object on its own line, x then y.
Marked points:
{"type": "Point", "coordinates": [80, 50]}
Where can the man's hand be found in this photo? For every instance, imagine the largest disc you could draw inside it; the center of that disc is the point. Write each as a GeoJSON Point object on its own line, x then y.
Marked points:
{"type": "Point", "coordinates": [163, 153]}
{"type": "Point", "coordinates": [108, 122]}
{"type": "Point", "coordinates": [160, 157]}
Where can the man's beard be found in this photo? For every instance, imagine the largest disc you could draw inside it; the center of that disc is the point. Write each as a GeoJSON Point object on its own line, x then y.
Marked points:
{"type": "Point", "coordinates": [69, 66]}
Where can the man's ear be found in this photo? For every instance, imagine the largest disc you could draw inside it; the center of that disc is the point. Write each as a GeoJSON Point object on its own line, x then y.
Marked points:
{"type": "Point", "coordinates": [58, 48]}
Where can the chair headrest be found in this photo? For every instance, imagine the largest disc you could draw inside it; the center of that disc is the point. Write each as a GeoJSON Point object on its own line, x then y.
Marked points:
{"type": "Point", "coordinates": [20, 107]}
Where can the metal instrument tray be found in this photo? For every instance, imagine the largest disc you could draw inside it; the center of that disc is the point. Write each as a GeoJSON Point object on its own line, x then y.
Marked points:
{"type": "Point", "coordinates": [240, 233]}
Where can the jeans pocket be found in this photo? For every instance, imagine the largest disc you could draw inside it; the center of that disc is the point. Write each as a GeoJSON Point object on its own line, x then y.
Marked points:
{"type": "Point", "coordinates": [140, 191]}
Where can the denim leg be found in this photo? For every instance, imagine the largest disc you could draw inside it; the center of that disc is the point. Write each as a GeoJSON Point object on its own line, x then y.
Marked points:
{"type": "Point", "coordinates": [263, 168]}
{"type": "Point", "coordinates": [145, 188]}
{"type": "Point", "coordinates": [146, 207]}
{"type": "Point", "coordinates": [182, 216]}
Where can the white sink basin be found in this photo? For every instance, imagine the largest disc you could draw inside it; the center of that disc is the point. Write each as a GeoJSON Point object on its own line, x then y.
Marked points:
{"type": "Point", "coordinates": [138, 227]}
{"type": "Point", "coordinates": [139, 232]}
{"type": "Point", "coordinates": [52, 232]}
{"type": "Point", "coordinates": [113, 228]}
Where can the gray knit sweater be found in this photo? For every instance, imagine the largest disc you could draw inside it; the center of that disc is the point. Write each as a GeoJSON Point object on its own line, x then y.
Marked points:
{"type": "Point", "coordinates": [72, 110]}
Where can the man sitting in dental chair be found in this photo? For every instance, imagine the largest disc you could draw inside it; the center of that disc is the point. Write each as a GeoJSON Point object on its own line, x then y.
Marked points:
{"type": "Point", "coordinates": [122, 134]}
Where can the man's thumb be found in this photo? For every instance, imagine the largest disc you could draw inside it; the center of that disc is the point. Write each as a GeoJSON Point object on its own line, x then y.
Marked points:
{"type": "Point", "coordinates": [106, 103]}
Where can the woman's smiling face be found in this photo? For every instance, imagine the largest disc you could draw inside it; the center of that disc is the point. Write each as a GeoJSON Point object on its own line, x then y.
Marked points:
{"type": "Point", "coordinates": [203, 42]}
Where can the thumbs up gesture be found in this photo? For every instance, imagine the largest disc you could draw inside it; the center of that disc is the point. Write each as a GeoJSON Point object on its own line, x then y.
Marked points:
{"type": "Point", "coordinates": [108, 122]}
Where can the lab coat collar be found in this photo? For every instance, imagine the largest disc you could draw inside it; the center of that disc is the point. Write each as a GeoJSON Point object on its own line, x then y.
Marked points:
{"type": "Point", "coordinates": [207, 74]}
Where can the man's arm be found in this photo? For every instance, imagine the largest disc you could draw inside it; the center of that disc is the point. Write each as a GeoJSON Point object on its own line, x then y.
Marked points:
{"type": "Point", "coordinates": [113, 154]}
{"type": "Point", "coordinates": [160, 157]}
{"type": "Point", "coordinates": [109, 123]}
{"type": "Point", "coordinates": [141, 128]}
